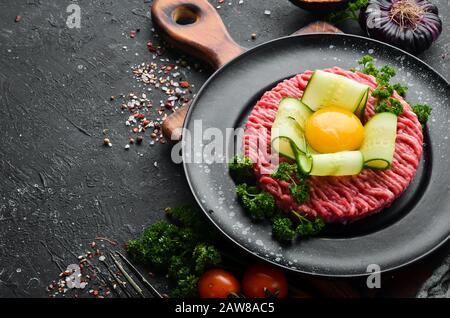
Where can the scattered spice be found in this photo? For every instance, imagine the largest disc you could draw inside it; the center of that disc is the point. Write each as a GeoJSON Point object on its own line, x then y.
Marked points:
{"type": "Point", "coordinates": [107, 142]}
{"type": "Point", "coordinates": [253, 36]}
{"type": "Point", "coordinates": [89, 274]}
{"type": "Point", "coordinates": [18, 18]}
{"type": "Point", "coordinates": [147, 110]}
{"type": "Point", "coordinates": [184, 84]}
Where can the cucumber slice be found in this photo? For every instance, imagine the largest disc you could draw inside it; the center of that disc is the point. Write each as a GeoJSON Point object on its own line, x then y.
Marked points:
{"type": "Point", "coordinates": [327, 89]}
{"type": "Point", "coordinates": [304, 163]}
{"type": "Point", "coordinates": [362, 105]}
{"type": "Point", "coordinates": [288, 127]}
{"type": "Point", "coordinates": [286, 130]}
{"type": "Point", "coordinates": [344, 163]}
{"type": "Point", "coordinates": [303, 160]}
{"type": "Point", "coordinates": [379, 141]}
{"type": "Point", "coordinates": [292, 107]}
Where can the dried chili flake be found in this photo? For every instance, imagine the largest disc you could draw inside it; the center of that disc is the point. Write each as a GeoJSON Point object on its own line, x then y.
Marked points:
{"type": "Point", "coordinates": [184, 84]}
{"type": "Point", "coordinates": [168, 104]}
{"type": "Point", "coordinates": [151, 47]}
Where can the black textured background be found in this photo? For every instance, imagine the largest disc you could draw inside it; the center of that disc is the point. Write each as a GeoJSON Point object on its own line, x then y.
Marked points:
{"type": "Point", "coordinates": [59, 187]}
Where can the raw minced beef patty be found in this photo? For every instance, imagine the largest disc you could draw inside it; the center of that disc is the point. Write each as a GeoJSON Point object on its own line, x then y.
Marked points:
{"type": "Point", "coordinates": [336, 199]}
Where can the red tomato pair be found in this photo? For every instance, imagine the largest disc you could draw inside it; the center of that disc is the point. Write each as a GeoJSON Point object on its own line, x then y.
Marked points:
{"type": "Point", "coordinates": [259, 281]}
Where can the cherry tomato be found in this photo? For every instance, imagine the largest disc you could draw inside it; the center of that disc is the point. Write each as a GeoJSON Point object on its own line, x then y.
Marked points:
{"type": "Point", "coordinates": [217, 283]}
{"type": "Point", "coordinates": [262, 281]}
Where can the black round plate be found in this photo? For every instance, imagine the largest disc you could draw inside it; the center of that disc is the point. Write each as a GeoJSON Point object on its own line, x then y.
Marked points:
{"type": "Point", "coordinates": [417, 222]}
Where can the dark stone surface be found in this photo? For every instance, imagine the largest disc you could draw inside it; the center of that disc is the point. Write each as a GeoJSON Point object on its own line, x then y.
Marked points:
{"type": "Point", "coordinates": [59, 187]}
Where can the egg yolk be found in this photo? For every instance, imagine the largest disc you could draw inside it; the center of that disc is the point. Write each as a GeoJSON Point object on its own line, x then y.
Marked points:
{"type": "Point", "coordinates": [333, 129]}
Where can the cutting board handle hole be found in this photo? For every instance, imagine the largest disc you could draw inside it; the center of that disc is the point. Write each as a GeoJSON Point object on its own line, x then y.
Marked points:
{"type": "Point", "coordinates": [184, 15]}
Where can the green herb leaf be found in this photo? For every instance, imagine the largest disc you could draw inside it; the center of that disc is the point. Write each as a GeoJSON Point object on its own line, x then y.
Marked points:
{"type": "Point", "coordinates": [392, 106]}
{"type": "Point", "coordinates": [241, 169]}
{"type": "Point", "coordinates": [285, 171]}
{"type": "Point", "coordinates": [400, 89]}
{"type": "Point", "coordinates": [259, 204]}
{"type": "Point", "coordinates": [384, 90]}
{"type": "Point", "coordinates": [298, 189]}
{"type": "Point", "coordinates": [423, 112]}
{"type": "Point", "coordinates": [348, 13]}
{"type": "Point", "coordinates": [181, 250]}
{"type": "Point", "coordinates": [282, 229]}
{"type": "Point", "coordinates": [187, 216]}
{"type": "Point", "coordinates": [285, 230]}
{"type": "Point", "coordinates": [179, 268]}
{"type": "Point", "coordinates": [204, 256]}
{"type": "Point", "coordinates": [186, 287]}
{"type": "Point", "coordinates": [307, 227]}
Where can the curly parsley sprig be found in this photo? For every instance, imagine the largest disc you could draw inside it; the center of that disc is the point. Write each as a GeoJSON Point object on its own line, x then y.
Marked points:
{"type": "Point", "coordinates": [241, 169]}
{"type": "Point", "coordinates": [259, 204]}
{"type": "Point", "coordinates": [181, 249]}
{"type": "Point", "coordinates": [423, 111]}
{"type": "Point", "coordinates": [298, 189]}
{"type": "Point", "coordinates": [285, 230]}
{"type": "Point", "coordinates": [384, 91]}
